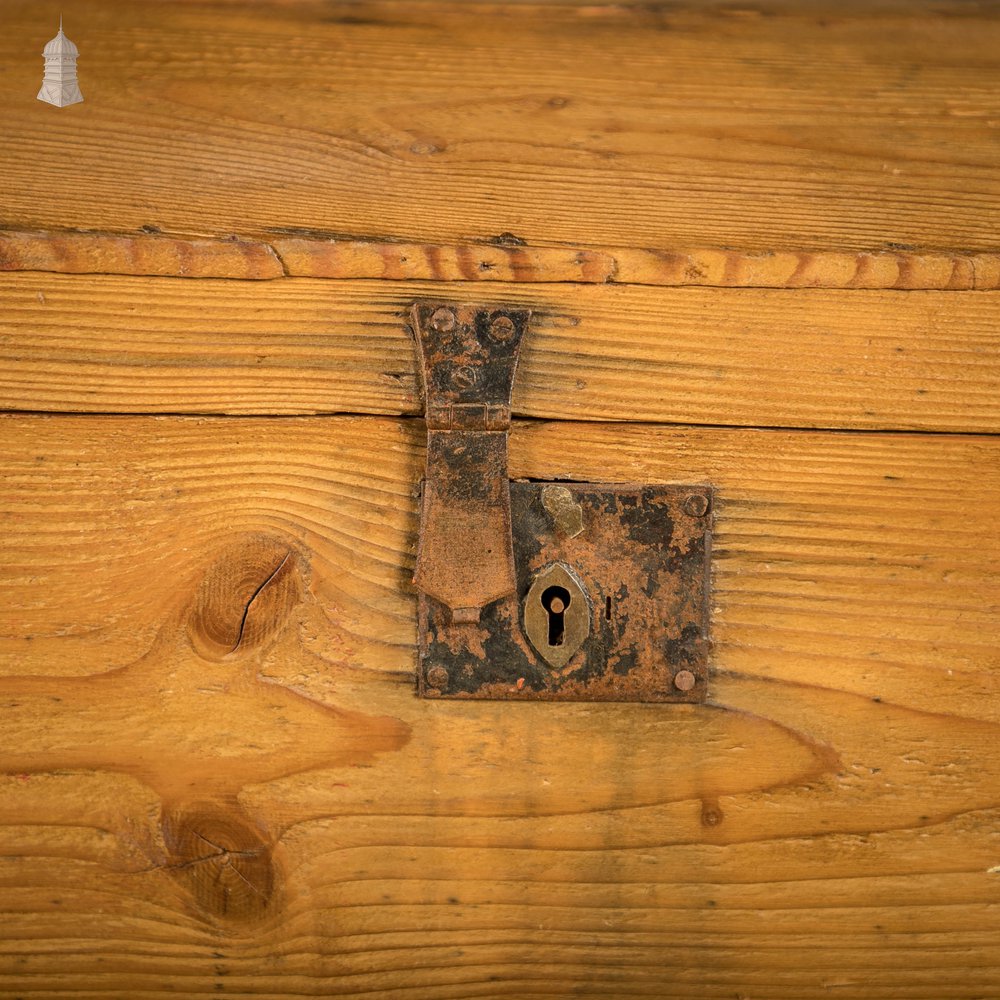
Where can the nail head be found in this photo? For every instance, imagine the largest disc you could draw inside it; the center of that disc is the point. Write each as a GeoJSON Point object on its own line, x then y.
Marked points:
{"type": "Point", "coordinates": [437, 677]}
{"type": "Point", "coordinates": [696, 505]}
{"type": "Point", "coordinates": [443, 320]}
{"type": "Point", "coordinates": [684, 680]}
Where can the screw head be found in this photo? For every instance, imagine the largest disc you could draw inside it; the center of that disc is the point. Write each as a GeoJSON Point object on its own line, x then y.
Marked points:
{"type": "Point", "coordinates": [437, 677]}
{"type": "Point", "coordinates": [443, 320]}
{"type": "Point", "coordinates": [684, 680]}
{"type": "Point", "coordinates": [696, 505]}
{"type": "Point", "coordinates": [465, 377]}
{"type": "Point", "coordinates": [502, 328]}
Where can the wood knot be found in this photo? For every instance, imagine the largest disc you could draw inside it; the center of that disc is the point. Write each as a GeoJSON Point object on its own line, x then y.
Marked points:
{"type": "Point", "coordinates": [222, 860]}
{"type": "Point", "coordinates": [711, 814]}
{"type": "Point", "coordinates": [245, 598]}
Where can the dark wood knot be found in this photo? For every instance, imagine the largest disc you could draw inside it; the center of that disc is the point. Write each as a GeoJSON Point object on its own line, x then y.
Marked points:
{"type": "Point", "coordinates": [245, 598]}
{"type": "Point", "coordinates": [217, 854]}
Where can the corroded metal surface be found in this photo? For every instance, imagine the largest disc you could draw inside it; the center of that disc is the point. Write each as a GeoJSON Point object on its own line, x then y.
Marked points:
{"type": "Point", "coordinates": [468, 356]}
{"type": "Point", "coordinates": [642, 558]}
{"type": "Point", "coordinates": [574, 591]}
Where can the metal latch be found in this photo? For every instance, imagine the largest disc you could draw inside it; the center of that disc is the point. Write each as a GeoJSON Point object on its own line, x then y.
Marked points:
{"type": "Point", "coordinates": [535, 590]}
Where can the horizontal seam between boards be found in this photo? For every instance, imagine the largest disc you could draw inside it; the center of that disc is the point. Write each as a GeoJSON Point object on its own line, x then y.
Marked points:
{"type": "Point", "coordinates": [516, 420]}
{"type": "Point", "coordinates": [509, 282]}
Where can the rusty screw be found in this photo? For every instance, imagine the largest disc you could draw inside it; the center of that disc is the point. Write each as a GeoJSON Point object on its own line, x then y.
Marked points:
{"type": "Point", "coordinates": [443, 320]}
{"type": "Point", "coordinates": [502, 328]}
{"type": "Point", "coordinates": [684, 680]}
{"type": "Point", "coordinates": [437, 677]}
{"type": "Point", "coordinates": [465, 377]}
{"type": "Point", "coordinates": [696, 505]}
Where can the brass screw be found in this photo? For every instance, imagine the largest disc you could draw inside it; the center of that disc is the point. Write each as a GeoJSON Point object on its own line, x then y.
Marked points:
{"type": "Point", "coordinates": [684, 680]}
{"type": "Point", "coordinates": [696, 505]}
{"type": "Point", "coordinates": [443, 320]}
{"type": "Point", "coordinates": [502, 328]}
{"type": "Point", "coordinates": [465, 377]}
{"type": "Point", "coordinates": [437, 677]}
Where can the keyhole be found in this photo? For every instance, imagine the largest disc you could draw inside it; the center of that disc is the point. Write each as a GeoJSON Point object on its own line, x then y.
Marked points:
{"type": "Point", "coordinates": [556, 600]}
{"type": "Point", "coordinates": [557, 615]}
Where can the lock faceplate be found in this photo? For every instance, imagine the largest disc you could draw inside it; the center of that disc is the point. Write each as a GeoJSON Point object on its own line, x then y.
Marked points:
{"type": "Point", "coordinates": [641, 557]}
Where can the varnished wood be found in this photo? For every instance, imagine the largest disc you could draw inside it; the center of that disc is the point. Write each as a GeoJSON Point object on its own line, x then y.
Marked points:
{"type": "Point", "coordinates": [215, 777]}
{"type": "Point", "coordinates": [768, 126]}
{"type": "Point", "coordinates": [710, 267]}
{"type": "Point", "coordinates": [130, 253]}
{"type": "Point", "coordinates": [218, 780]}
{"type": "Point", "coordinates": [499, 260]}
{"type": "Point", "coordinates": [914, 360]}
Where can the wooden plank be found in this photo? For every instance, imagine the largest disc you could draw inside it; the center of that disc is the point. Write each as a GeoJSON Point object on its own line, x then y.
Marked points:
{"type": "Point", "coordinates": [772, 127]}
{"type": "Point", "coordinates": [129, 253]}
{"type": "Point", "coordinates": [710, 267]}
{"type": "Point", "coordinates": [498, 260]}
{"type": "Point", "coordinates": [217, 780]}
{"type": "Point", "coordinates": [885, 360]}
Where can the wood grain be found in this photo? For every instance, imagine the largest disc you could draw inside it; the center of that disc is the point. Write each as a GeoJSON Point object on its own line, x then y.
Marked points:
{"type": "Point", "coordinates": [217, 780]}
{"type": "Point", "coordinates": [883, 360]}
{"type": "Point", "coordinates": [128, 253]}
{"type": "Point", "coordinates": [503, 259]}
{"type": "Point", "coordinates": [767, 126]}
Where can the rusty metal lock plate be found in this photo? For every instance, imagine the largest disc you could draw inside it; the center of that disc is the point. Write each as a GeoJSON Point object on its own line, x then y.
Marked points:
{"type": "Point", "coordinates": [638, 556]}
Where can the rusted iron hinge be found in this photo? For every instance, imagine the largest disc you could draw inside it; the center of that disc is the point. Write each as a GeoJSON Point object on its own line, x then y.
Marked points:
{"type": "Point", "coordinates": [575, 591]}
{"type": "Point", "coordinates": [468, 359]}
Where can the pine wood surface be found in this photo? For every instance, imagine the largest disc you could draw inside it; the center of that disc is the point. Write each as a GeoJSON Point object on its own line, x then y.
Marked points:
{"type": "Point", "coordinates": [492, 261]}
{"type": "Point", "coordinates": [215, 777]}
{"type": "Point", "coordinates": [766, 126]}
{"type": "Point", "coordinates": [812, 358]}
{"type": "Point", "coordinates": [218, 781]}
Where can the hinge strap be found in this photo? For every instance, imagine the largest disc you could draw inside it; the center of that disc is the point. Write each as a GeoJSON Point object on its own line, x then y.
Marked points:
{"type": "Point", "coordinates": [467, 357]}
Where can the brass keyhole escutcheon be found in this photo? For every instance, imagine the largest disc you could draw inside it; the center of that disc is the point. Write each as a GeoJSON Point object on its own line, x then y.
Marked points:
{"type": "Point", "coordinates": [557, 614]}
